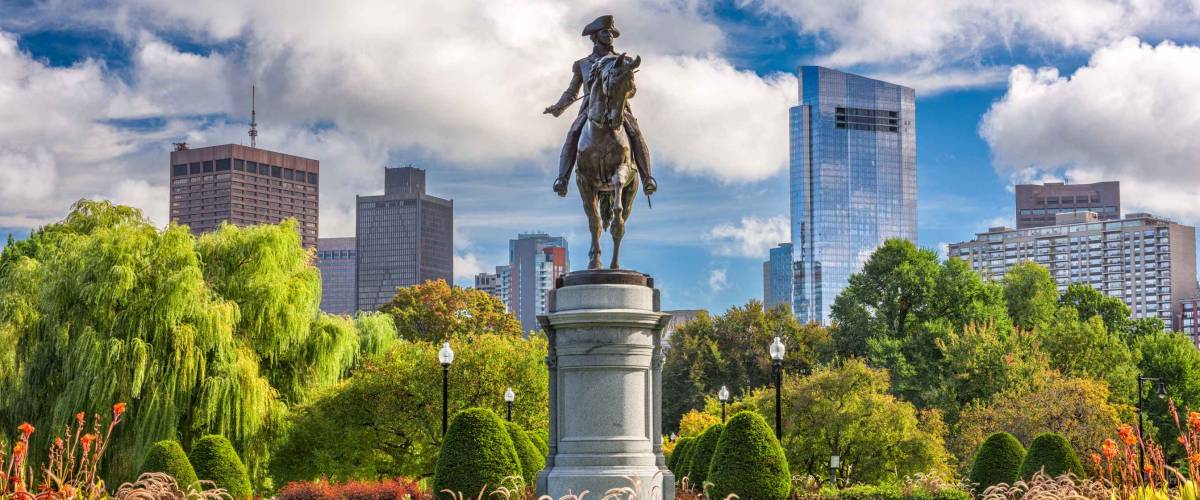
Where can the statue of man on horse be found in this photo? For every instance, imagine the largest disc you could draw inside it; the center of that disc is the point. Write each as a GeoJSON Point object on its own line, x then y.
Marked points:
{"type": "Point", "coordinates": [604, 141]}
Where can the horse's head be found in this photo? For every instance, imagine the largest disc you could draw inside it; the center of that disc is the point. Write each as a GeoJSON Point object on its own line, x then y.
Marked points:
{"type": "Point", "coordinates": [610, 91]}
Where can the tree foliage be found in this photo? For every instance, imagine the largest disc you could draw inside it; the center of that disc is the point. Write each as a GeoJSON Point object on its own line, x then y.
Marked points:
{"type": "Point", "coordinates": [435, 311]}
{"type": "Point", "coordinates": [1031, 294]}
{"type": "Point", "coordinates": [531, 459]}
{"type": "Point", "coordinates": [477, 456]}
{"type": "Point", "coordinates": [1174, 359]}
{"type": "Point", "coordinates": [211, 336]}
{"type": "Point", "coordinates": [997, 461]}
{"type": "Point", "coordinates": [1052, 454]}
{"type": "Point", "coordinates": [706, 446]}
{"type": "Point", "coordinates": [749, 462]}
{"type": "Point", "coordinates": [215, 460]}
{"type": "Point", "coordinates": [167, 456]}
{"type": "Point", "coordinates": [385, 420]}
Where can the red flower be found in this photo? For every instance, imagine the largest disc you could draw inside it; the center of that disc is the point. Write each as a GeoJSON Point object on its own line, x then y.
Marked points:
{"type": "Point", "coordinates": [25, 429]}
{"type": "Point", "coordinates": [118, 409]}
{"type": "Point", "coordinates": [87, 440]}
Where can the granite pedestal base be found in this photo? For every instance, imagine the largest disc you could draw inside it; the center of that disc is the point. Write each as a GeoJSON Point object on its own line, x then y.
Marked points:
{"type": "Point", "coordinates": [605, 361]}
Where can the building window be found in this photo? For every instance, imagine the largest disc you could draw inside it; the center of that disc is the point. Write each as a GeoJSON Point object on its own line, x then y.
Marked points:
{"type": "Point", "coordinates": [276, 171]}
{"type": "Point", "coordinates": [178, 170]}
{"type": "Point", "coordinates": [289, 174]}
{"type": "Point", "coordinates": [208, 167]}
{"type": "Point", "coordinates": [867, 119]}
{"type": "Point", "coordinates": [222, 165]}
{"type": "Point", "coordinates": [194, 168]}
{"type": "Point", "coordinates": [312, 178]}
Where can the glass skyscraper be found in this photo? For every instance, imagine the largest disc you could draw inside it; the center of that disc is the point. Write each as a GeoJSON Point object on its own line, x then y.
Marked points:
{"type": "Point", "coordinates": [853, 180]}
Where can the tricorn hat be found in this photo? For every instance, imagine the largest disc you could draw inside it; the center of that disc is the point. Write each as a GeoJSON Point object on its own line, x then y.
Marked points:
{"type": "Point", "coordinates": [601, 23]}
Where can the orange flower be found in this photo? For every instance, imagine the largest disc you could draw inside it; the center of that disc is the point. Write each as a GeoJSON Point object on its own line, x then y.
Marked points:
{"type": "Point", "coordinates": [19, 449]}
{"type": "Point", "coordinates": [79, 418]}
{"type": "Point", "coordinates": [87, 440]}
{"type": "Point", "coordinates": [1110, 448]}
{"type": "Point", "coordinates": [1096, 458]}
{"type": "Point", "coordinates": [1194, 458]}
{"type": "Point", "coordinates": [1148, 468]}
{"type": "Point", "coordinates": [1181, 439]}
{"type": "Point", "coordinates": [58, 442]}
{"type": "Point", "coordinates": [118, 409]}
{"type": "Point", "coordinates": [1194, 420]}
{"type": "Point", "coordinates": [1127, 435]}
{"type": "Point", "coordinates": [25, 429]}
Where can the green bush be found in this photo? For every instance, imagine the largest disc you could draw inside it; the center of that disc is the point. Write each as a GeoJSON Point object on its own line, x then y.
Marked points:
{"type": "Point", "coordinates": [477, 452]}
{"type": "Point", "coordinates": [168, 457]}
{"type": "Point", "coordinates": [997, 461]}
{"type": "Point", "coordinates": [1053, 453]}
{"type": "Point", "coordinates": [706, 444]}
{"type": "Point", "coordinates": [532, 460]}
{"type": "Point", "coordinates": [677, 456]}
{"type": "Point", "coordinates": [541, 441]}
{"type": "Point", "coordinates": [892, 492]}
{"type": "Point", "coordinates": [749, 461]}
{"type": "Point", "coordinates": [215, 460]}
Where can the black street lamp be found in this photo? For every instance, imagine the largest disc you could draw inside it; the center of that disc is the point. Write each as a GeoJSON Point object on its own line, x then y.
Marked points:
{"type": "Point", "coordinates": [509, 396]}
{"type": "Point", "coordinates": [723, 395]}
{"type": "Point", "coordinates": [445, 356]}
{"type": "Point", "coordinates": [835, 463]}
{"type": "Point", "coordinates": [1161, 391]}
{"type": "Point", "coordinates": [777, 352]}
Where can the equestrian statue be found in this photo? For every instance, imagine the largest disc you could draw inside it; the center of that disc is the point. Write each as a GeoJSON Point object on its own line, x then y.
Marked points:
{"type": "Point", "coordinates": [604, 141]}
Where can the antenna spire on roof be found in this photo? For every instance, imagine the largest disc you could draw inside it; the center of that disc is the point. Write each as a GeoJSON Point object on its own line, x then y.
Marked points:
{"type": "Point", "coordinates": [253, 119]}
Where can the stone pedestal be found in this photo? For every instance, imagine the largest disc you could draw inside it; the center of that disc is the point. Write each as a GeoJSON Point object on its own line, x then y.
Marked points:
{"type": "Point", "coordinates": [605, 359]}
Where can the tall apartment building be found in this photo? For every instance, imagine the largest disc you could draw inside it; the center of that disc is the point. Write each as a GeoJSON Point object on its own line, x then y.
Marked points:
{"type": "Point", "coordinates": [336, 259]}
{"type": "Point", "coordinates": [489, 283]}
{"type": "Point", "coordinates": [535, 261]}
{"type": "Point", "coordinates": [853, 180]}
{"type": "Point", "coordinates": [1037, 204]}
{"type": "Point", "coordinates": [244, 186]}
{"type": "Point", "coordinates": [404, 237]}
{"type": "Point", "coordinates": [777, 277]}
{"type": "Point", "coordinates": [1146, 261]}
{"type": "Point", "coordinates": [1188, 320]}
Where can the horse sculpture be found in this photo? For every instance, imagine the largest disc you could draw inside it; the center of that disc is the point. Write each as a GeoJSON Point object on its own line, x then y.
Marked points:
{"type": "Point", "coordinates": [607, 175]}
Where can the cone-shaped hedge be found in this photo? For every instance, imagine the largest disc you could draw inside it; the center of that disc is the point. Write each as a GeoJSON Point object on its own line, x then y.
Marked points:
{"type": "Point", "coordinates": [476, 452]}
{"type": "Point", "coordinates": [679, 456]}
{"type": "Point", "coordinates": [749, 461]}
{"type": "Point", "coordinates": [531, 459]}
{"type": "Point", "coordinates": [215, 460]}
{"type": "Point", "coordinates": [541, 441]}
{"type": "Point", "coordinates": [1053, 453]}
{"type": "Point", "coordinates": [168, 457]}
{"type": "Point", "coordinates": [997, 461]}
{"type": "Point", "coordinates": [706, 445]}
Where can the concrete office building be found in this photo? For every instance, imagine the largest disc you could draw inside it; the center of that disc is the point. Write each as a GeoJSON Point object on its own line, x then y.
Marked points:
{"type": "Point", "coordinates": [853, 180]}
{"type": "Point", "coordinates": [1037, 204]}
{"type": "Point", "coordinates": [777, 277]}
{"type": "Point", "coordinates": [535, 261]}
{"type": "Point", "coordinates": [243, 186]}
{"type": "Point", "coordinates": [404, 237]}
{"type": "Point", "coordinates": [1146, 261]}
{"type": "Point", "coordinates": [1188, 320]}
{"type": "Point", "coordinates": [489, 283]}
{"type": "Point", "coordinates": [336, 259]}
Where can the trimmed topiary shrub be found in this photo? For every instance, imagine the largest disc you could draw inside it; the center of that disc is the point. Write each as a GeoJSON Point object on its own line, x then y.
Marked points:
{"type": "Point", "coordinates": [477, 452]}
{"type": "Point", "coordinates": [677, 456]}
{"type": "Point", "coordinates": [1053, 453]}
{"type": "Point", "coordinates": [706, 444]}
{"type": "Point", "coordinates": [893, 492]}
{"type": "Point", "coordinates": [215, 460]}
{"type": "Point", "coordinates": [531, 459]}
{"type": "Point", "coordinates": [749, 461]}
{"type": "Point", "coordinates": [541, 441]}
{"type": "Point", "coordinates": [167, 456]}
{"type": "Point", "coordinates": [997, 461]}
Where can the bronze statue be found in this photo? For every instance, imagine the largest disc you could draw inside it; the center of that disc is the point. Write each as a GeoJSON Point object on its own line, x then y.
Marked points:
{"type": "Point", "coordinates": [604, 140]}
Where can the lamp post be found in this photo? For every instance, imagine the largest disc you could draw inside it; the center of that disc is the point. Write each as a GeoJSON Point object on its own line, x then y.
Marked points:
{"type": "Point", "coordinates": [672, 440]}
{"type": "Point", "coordinates": [445, 356]}
{"type": "Point", "coordinates": [509, 396]}
{"type": "Point", "coordinates": [1161, 391]}
{"type": "Point", "coordinates": [835, 463]}
{"type": "Point", "coordinates": [723, 395]}
{"type": "Point", "coordinates": [777, 352]}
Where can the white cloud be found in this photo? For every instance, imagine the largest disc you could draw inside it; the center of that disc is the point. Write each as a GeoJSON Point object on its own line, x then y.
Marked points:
{"type": "Point", "coordinates": [752, 237]}
{"type": "Point", "coordinates": [915, 40]}
{"type": "Point", "coordinates": [466, 266]}
{"type": "Point", "coordinates": [1129, 115]}
{"type": "Point", "coordinates": [717, 280]}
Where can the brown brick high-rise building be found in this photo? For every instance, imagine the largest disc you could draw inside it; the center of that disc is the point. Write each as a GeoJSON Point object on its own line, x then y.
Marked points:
{"type": "Point", "coordinates": [1037, 204]}
{"type": "Point", "coordinates": [244, 186]}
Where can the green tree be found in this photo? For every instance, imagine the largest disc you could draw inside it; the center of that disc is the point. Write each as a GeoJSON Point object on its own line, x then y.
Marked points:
{"type": "Point", "coordinates": [1174, 359]}
{"type": "Point", "coordinates": [167, 456]}
{"type": "Point", "coordinates": [215, 460]}
{"type": "Point", "coordinates": [477, 456]}
{"type": "Point", "coordinates": [997, 461]}
{"type": "Point", "coordinates": [847, 411]}
{"type": "Point", "coordinates": [435, 311]}
{"type": "Point", "coordinates": [1089, 302]}
{"type": "Point", "coordinates": [216, 336]}
{"type": "Point", "coordinates": [1087, 349]}
{"type": "Point", "coordinates": [1078, 408]}
{"type": "Point", "coordinates": [731, 350]}
{"type": "Point", "coordinates": [1031, 294]}
{"type": "Point", "coordinates": [887, 299]}
{"type": "Point", "coordinates": [385, 420]}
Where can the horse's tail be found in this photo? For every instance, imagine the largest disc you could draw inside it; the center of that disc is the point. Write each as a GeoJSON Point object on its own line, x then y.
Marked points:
{"type": "Point", "coordinates": [606, 207]}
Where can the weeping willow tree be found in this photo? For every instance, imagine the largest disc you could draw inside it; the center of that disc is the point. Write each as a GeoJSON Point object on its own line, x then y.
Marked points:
{"type": "Point", "coordinates": [216, 336]}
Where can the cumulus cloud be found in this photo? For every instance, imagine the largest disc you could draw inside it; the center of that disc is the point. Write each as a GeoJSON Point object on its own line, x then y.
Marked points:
{"type": "Point", "coordinates": [910, 42]}
{"type": "Point", "coordinates": [717, 280]}
{"type": "Point", "coordinates": [466, 266]}
{"type": "Point", "coordinates": [752, 237]}
{"type": "Point", "coordinates": [1128, 115]}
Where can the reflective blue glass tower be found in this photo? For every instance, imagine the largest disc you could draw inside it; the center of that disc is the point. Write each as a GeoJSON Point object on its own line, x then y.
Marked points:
{"type": "Point", "coordinates": [853, 180]}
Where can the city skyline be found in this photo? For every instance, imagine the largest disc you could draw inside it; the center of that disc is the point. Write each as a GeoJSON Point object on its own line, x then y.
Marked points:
{"type": "Point", "coordinates": [97, 103]}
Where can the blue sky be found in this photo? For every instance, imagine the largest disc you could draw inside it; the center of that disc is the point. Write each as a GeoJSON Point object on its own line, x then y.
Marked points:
{"type": "Point", "coordinates": [95, 92]}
